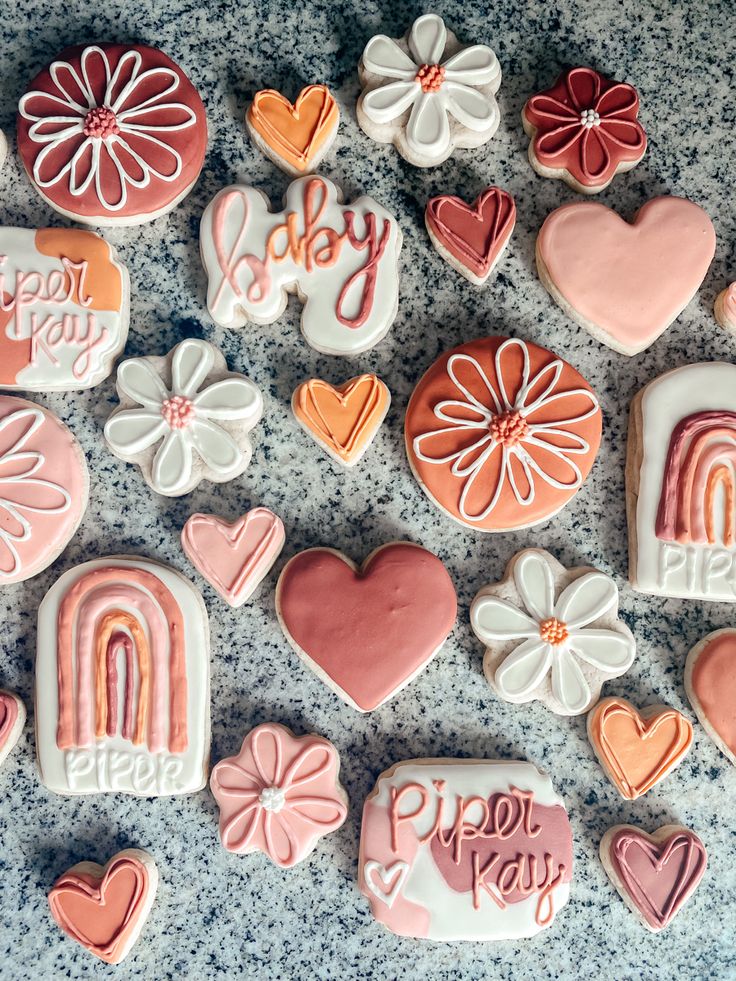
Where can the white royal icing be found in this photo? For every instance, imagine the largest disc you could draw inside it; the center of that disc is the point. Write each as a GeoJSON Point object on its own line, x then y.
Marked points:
{"type": "Point", "coordinates": [350, 291]}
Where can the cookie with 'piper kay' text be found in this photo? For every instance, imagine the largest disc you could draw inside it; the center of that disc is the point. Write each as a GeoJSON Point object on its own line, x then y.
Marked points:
{"type": "Point", "coordinates": [12, 720]}
{"type": "Point", "coordinates": [710, 683]}
{"type": "Point", "coordinates": [551, 633]}
{"type": "Point", "coordinates": [296, 137]}
{"type": "Point", "coordinates": [625, 283]}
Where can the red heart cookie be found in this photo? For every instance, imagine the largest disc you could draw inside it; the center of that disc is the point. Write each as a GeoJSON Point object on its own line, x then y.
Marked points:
{"type": "Point", "coordinates": [710, 682]}
{"type": "Point", "coordinates": [474, 235]}
{"type": "Point", "coordinates": [296, 132]}
{"type": "Point", "coordinates": [104, 909]}
{"type": "Point", "coordinates": [625, 283]}
{"type": "Point", "coordinates": [366, 631]}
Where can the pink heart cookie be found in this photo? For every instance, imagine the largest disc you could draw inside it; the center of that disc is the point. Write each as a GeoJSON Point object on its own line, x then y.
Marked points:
{"type": "Point", "coordinates": [625, 283]}
{"type": "Point", "coordinates": [12, 720]}
{"type": "Point", "coordinates": [234, 558]}
{"type": "Point", "coordinates": [368, 631]}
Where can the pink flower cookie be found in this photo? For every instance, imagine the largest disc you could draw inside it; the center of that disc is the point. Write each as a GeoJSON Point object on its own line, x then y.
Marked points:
{"type": "Point", "coordinates": [12, 720]}
{"type": "Point", "coordinates": [112, 134]}
{"type": "Point", "coordinates": [710, 683]}
{"type": "Point", "coordinates": [279, 795]}
{"type": "Point", "coordinates": [584, 130]}
{"type": "Point", "coordinates": [725, 308]}
{"type": "Point", "coordinates": [44, 488]}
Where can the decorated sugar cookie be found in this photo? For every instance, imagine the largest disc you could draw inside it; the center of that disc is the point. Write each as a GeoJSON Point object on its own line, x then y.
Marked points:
{"type": "Point", "coordinates": [655, 874]}
{"type": "Point", "coordinates": [234, 558]}
{"type": "Point", "coordinates": [625, 283]}
{"type": "Point", "coordinates": [64, 307]}
{"type": "Point", "coordinates": [551, 633]}
{"type": "Point", "coordinates": [428, 94]}
{"type": "Point", "coordinates": [44, 486]}
{"type": "Point", "coordinates": [184, 418]}
{"type": "Point", "coordinates": [584, 130]}
{"type": "Point", "coordinates": [638, 749]}
{"type": "Point", "coordinates": [122, 681]}
{"type": "Point", "coordinates": [12, 720]}
{"type": "Point", "coordinates": [710, 683]}
{"type": "Point", "coordinates": [296, 137]}
{"type": "Point", "coordinates": [501, 434]}
{"type": "Point", "coordinates": [3, 148]}
{"type": "Point", "coordinates": [342, 419]}
{"type": "Point", "coordinates": [104, 908]}
{"type": "Point", "coordinates": [472, 238]}
{"type": "Point", "coordinates": [681, 484]}
{"type": "Point", "coordinates": [112, 134]}
{"type": "Point", "coordinates": [368, 630]}
{"type": "Point", "coordinates": [340, 260]}
{"type": "Point", "coordinates": [725, 308]}
{"type": "Point", "coordinates": [279, 795]}
{"type": "Point", "coordinates": [465, 850]}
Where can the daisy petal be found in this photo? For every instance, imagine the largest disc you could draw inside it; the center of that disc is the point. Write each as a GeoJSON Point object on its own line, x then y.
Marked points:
{"type": "Point", "coordinates": [427, 39]}
{"type": "Point", "coordinates": [493, 618]}
{"type": "Point", "coordinates": [230, 398]}
{"type": "Point", "coordinates": [428, 130]}
{"type": "Point", "coordinates": [172, 465]}
{"type": "Point", "coordinates": [383, 56]}
{"type": "Point", "coordinates": [524, 669]}
{"type": "Point", "coordinates": [476, 65]}
{"type": "Point", "coordinates": [238, 832]}
{"type": "Point", "coordinates": [470, 107]}
{"type": "Point", "coordinates": [607, 650]}
{"type": "Point", "coordinates": [192, 361]}
{"type": "Point", "coordinates": [138, 380]}
{"type": "Point", "coordinates": [218, 449]}
{"type": "Point", "coordinates": [586, 599]}
{"type": "Point", "coordinates": [310, 763]}
{"type": "Point", "coordinates": [568, 684]}
{"type": "Point", "coordinates": [386, 103]}
{"type": "Point", "coordinates": [134, 430]}
{"type": "Point", "coordinates": [535, 583]}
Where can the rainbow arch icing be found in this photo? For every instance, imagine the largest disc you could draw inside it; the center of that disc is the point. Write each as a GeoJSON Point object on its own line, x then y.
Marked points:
{"type": "Point", "coordinates": [112, 611]}
{"type": "Point", "coordinates": [701, 458]}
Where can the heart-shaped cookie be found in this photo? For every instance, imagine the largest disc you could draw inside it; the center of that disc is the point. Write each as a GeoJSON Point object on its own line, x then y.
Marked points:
{"type": "Point", "coordinates": [294, 136]}
{"type": "Point", "coordinates": [471, 237]}
{"type": "Point", "coordinates": [625, 283]}
{"type": "Point", "coordinates": [368, 631]}
{"type": "Point", "coordinates": [12, 720]}
{"type": "Point", "coordinates": [234, 558]}
{"type": "Point", "coordinates": [104, 908]}
{"type": "Point", "coordinates": [637, 749]}
{"type": "Point", "coordinates": [654, 874]}
{"type": "Point", "coordinates": [710, 683]}
{"type": "Point", "coordinates": [342, 419]}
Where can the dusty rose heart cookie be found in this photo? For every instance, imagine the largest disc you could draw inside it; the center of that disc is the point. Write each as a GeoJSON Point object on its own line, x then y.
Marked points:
{"type": "Point", "coordinates": [12, 720]}
{"type": "Point", "coordinates": [44, 487]}
{"type": "Point", "coordinates": [471, 237]}
{"type": "Point", "coordinates": [342, 419]}
{"type": "Point", "coordinates": [366, 631]}
{"type": "Point", "coordinates": [296, 137]}
{"type": "Point", "coordinates": [625, 282]}
{"type": "Point", "coordinates": [112, 134]}
{"type": "Point", "coordinates": [584, 130]}
{"type": "Point", "coordinates": [465, 850]}
{"type": "Point", "coordinates": [710, 683]}
{"type": "Point", "coordinates": [104, 908]}
{"type": "Point", "coordinates": [279, 795]}
{"type": "Point", "coordinates": [655, 874]}
{"type": "Point", "coordinates": [725, 308]}
{"type": "Point", "coordinates": [234, 557]}
{"type": "Point", "coordinates": [501, 434]}
{"type": "Point", "coordinates": [551, 633]}
{"type": "Point", "coordinates": [681, 485]}
{"type": "Point", "coordinates": [637, 749]}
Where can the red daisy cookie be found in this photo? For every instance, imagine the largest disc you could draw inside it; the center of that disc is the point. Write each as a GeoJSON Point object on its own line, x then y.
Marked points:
{"type": "Point", "coordinates": [584, 130]}
{"type": "Point", "coordinates": [501, 433]}
{"type": "Point", "coordinates": [112, 134]}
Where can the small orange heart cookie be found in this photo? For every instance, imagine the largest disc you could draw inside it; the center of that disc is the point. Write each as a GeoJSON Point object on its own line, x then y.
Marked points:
{"type": "Point", "coordinates": [637, 749]}
{"type": "Point", "coordinates": [342, 419]}
{"type": "Point", "coordinates": [296, 137]}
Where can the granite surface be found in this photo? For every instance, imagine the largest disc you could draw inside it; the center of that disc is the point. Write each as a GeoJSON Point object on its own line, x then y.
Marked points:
{"type": "Point", "coordinates": [221, 916]}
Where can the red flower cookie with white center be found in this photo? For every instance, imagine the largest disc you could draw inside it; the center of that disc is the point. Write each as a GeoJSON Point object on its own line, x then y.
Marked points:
{"type": "Point", "coordinates": [44, 487]}
{"type": "Point", "coordinates": [584, 130]}
{"type": "Point", "coordinates": [472, 238]}
{"type": "Point", "coordinates": [104, 908]}
{"type": "Point", "coordinates": [725, 308]}
{"type": "Point", "coordinates": [710, 683]}
{"type": "Point", "coordinates": [112, 134]}
{"type": "Point", "coordinates": [279, 795]}
{"type": "Point", "coordinates": [296, 137]}
{"type": "Point", "coordinates": [12, 720]}
{"type": "Point", "coordinates": [501, 434]}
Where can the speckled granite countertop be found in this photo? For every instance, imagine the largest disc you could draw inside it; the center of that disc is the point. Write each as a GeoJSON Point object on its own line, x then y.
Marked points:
{"type": "Point", "coordinates": [218, 915]}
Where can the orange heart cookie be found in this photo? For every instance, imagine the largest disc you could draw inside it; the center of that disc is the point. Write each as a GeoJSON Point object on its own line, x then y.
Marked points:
{"type": "Point", "coordinates": [342, 419]}
{"type": "Point", "coordinates": [637, 749]}
{"type": "Point", "coordinates": [296, 137]}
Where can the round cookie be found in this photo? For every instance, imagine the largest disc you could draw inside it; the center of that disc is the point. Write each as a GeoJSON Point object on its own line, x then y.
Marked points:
{"type": "Point", "coordinates": [296, 137]}
{"type": "Point", "coordinates": [112, 134]}
{"type": "Point", "coordinates": [710, 683]}
{"type": "Point", "coordinates": [724, 308]}
{"type": "Point", "coordinates": [501, 434]}
{"type": "Point", "coordinates": [44, 486]}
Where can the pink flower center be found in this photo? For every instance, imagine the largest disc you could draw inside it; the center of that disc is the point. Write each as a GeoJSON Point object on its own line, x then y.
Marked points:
{"type": "Point", "coordinates": [508, 428]}
{"type": "Point", "coordinates": [178, 411]}
{"type": "Point", "coordinates": [430, 77]}
{"type": "Point", "coordinates": [101, 123]}
{"type": "Point", "coordinates": [554, 631]}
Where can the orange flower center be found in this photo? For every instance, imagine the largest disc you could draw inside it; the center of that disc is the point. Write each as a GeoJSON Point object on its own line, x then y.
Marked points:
{"type": "Point", "coordinates": [508, 428]}
{"type": "Point", "coordinates": [430, 77]}
{"type": "Point", "coordinates": [101, 123]}
{"type": "Point", "coordinates": [554, 631]}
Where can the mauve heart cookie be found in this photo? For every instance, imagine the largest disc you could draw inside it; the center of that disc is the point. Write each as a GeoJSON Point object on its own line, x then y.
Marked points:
{"type": "Point", "coordinates": [12, 720]}
{"type": "Point", "coordinates": [710, 683]}
{"type": "Point", "coordinates": [234, 558]}
{"type": "Point", "coordinates": [368, 631]}
{"type": "Point", "coordinates": [625, 283]}
{"type": "Point", "coordinates": [296, 137]}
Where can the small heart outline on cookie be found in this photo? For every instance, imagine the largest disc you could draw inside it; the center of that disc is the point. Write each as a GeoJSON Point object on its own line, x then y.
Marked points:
{"type": "Point", "coordinates": [392, 877]}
